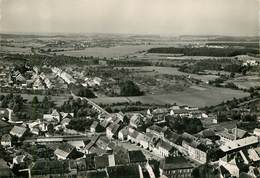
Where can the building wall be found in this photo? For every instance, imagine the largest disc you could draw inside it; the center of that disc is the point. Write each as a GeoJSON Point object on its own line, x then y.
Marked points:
{"type": "Point", "coordinates": [177, 173]}
{"type": "Point", "coordinates": [196, 154]}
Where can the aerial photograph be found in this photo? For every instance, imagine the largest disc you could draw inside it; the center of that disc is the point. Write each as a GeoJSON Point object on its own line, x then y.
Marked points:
{"type": "Point", "coordinates": [129, 88]}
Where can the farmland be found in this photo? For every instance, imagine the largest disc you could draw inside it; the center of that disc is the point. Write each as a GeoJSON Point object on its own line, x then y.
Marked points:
{"type": "Point", "coordinates": [191, 96]}
{"type": "Point", "coordinates": [152, 70]}
{"type": "Point", "coordinates": [116, 51]}
{"type": "Point", "coordinates": [15, 50]}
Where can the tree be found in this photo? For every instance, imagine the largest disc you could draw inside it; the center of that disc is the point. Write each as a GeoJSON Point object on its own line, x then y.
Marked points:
{"type": "Point", "coordinates": [129, 88]}
{"type": "Point", "coordinates": [35, 101]}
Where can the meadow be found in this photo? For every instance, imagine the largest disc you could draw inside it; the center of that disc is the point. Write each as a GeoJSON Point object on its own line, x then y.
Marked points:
{"type": "Point", "coordinates": [191, 96]}
{"type": "Point", "coordinates": [111, 52]}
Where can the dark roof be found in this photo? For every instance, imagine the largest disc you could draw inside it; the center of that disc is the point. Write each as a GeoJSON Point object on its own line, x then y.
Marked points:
{"type": "Point", "coordinates": [66, 147]}
{"type": "Point", "coordinates": [90, 163]}
{"type": "Point", "coordinates": [43, 167]}
{"type": "Point", "coordinates": [96, 174]}
{"type": "Point", "coordinates": [224, 172]}
{"type": "Point", "coordinates": [245, 175]}
{"type": "Point", "coordinates": [156, 128]}
{"type": "Point", "coordinates": [101, 161]}
{"type": "Point", "coordinates": [136, 156]}
{"type": "Point", "coordinates": [171, 163]}
{"type": "Point", "coordinates": [124, 171]}
{"type": "Point", "coordinates": [79, 164]}
{"type": "Point", "coordinates": [121, 155]}
{"type": "Point", "coordinates": [172, 136]}
{"type": "Point", "coordinates": [164, 145]}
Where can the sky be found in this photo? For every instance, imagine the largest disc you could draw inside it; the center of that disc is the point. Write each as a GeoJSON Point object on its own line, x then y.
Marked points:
{"type": "Point", "coordinates": [165, 17]}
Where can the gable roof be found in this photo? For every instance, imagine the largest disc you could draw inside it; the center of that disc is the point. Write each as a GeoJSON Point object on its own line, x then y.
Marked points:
{"type": "Point", "coordinates": [136, 156]}
{"type": "Point", "coordinates": [6, 138]}
{"type": "Point", "coordinates": [45, 167]}
{"type": "Point", "coordinates": [64, 150]}
{"type": "Point", "coordinates": [237, 144]}
{"type": "Point", "coordinates": [16, 130]}
{"type": "Point", "coordinates": [113, 127]}
{"type": "Point", "coordinates": [103, 142]}
{"type": "Point", "coordinates": [101, 161]}
{"type": "Point", "coordinates": [126, 171]}
{"type": "Point", "coordinates": [164, 145]}
{"type": "Point", "coordinates": [94, 124]}
{"type": "Point", "coordinates": [174, 163]}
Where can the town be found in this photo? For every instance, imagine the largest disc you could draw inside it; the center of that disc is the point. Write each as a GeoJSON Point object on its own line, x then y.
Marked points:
{"type": "Point", "coordinates": [41, 137]}
{"type": "Point", "coordinates": [129, 89]}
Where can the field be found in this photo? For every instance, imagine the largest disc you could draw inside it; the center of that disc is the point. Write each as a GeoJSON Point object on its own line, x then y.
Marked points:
{"type": "Point", "coordinates": [15, 50]}
{"type": "Point", "coordinates": [151, 70]}
{"type": "Point", "coordinates": [245, 82]}
{"type": "Point", "coordinates": [116, 51]}
{"type": "Point", "coordinates": [191, 96]}
{"type": "Point", "coordinates": [58, 100]}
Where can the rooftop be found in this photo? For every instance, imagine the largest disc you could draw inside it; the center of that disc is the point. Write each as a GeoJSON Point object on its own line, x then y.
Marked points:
{"type": "Point", "coordinates": [171, 163]}
{"type": "Point", "coordinates": [236, 144]}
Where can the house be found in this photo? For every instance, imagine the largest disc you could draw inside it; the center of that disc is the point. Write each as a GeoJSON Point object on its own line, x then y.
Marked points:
{"type": "Point", "coordinates": [6, 114]}
{"type": "Point", "coordinates": [129, 171]}
{"type": "Point", "coordinates": [53, 117]}
{"type": "Point", "coordinates": [233, 165]}
{"type": "Point", "coordinates": [175, 167]}
{"type": "Point", "coordinates": [96, 127]}
{"type": "Point", "coordinates": [19, 159]}
{"type": "Point", "coordinates": [121, 155]}
{"type": "Point", "coordinates": [137, 120]}
{"type": "Point", "coordinates": [105, 123]}
{"type": "Point", "coordinates": [45, 168]}
{"type": "Point", "coordinates": [164, 149]}
{"type": "Point", "coordinates": [257, 132]}
{"type": "Point", "coordinates": [132, 136]}
{"type": "Point", "coordinates": [65, 151]}
{"type": "Point", "coordinates": [6, 140]}
{"type": "Point", "coordinates": [158, 115]}
{"type": "Point", "coordinates": [66, 115]}
{"type": "Point", "coordinates": [101, 161]}
{"type": "Point", "coordinates": [79, 144]}
{"type": "Point", "coordinates": [195, 152]}
{"type": "Point", "coordinates": [122, 134]}
{"type": "Point", "coordinates": [144, 140]}
{"type": "Point", "coordinates": [65, 122]}
{"type": "Point", "coordinates": [156, 130]}
{"type": "Point", "coordinates": [103, 142]}
{"type": "Point", "coordinates": [18, 131]}
{"type": "Point", "coordinates": [223, 172]}
{"type": "Point", "coordinates": [35, 131]}
{"type": "Point", "coordinates": [172, 137]}
{"type": "Point", "coordinates": [97, 81]}
{"type": "Point", "coordinates": [38, 84]}
{"type": "Point", "coordinates": [112, 130]}
{"type": "Point", "coordinates": [232, 134]}
{"type": "Point", "coordinates": [237, 145]}
{"type": "Point", "coordinates": [136, 156]}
